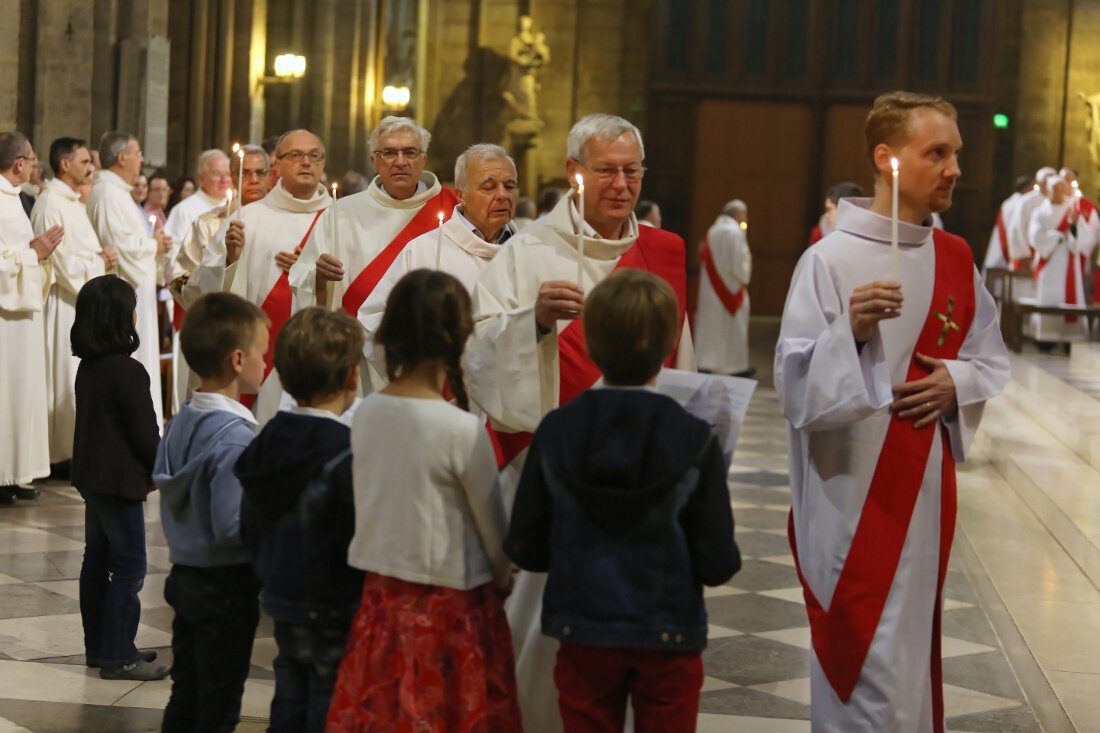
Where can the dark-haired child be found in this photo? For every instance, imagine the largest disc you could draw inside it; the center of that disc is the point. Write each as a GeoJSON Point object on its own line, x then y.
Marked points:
{"type": "Point", "coordinates": [298, 515]}
{"type": "Point", "coordinates": [623, 502]}
{"type": "Point", "coordinates": [211, 587]}
{"type": "Point", "coordinates": [429, 649]}
{"type": "Point", "coordinates": [114, 445]}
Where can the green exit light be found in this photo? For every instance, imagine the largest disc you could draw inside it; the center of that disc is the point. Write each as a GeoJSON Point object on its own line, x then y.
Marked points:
{"type": "Point", "coordinates": [1000, 121]}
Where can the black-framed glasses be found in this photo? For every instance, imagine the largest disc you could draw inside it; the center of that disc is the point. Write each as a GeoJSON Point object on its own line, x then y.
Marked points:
{"type": "Point", "coordinates": [390, 154]}
{"type": "Point", "coordinates": [296, 156]}
{"type": "Point", "coordinates": [261, 172]}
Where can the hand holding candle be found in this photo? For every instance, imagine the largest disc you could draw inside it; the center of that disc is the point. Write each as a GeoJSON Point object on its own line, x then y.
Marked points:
{"type": "Point", "coordinates": [439, 241]}
{"type": "Point", "coordinates": [894, 220]}
{"type": "Point", "coordinates": [580, 231]}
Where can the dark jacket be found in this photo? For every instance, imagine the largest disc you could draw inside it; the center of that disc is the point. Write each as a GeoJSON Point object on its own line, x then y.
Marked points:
{"type": "Point", "coordinates": [116, 436]}
{"type": "Point", "coordinates": [624, 501]}
{"type": "Point", "coordinates": [298, 525]}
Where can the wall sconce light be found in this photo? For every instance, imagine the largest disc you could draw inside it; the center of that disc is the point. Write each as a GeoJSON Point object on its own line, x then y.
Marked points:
{"type": "Point", "coordinates": [396, 97]}
{"type": "Point", "coordinates": [290, 66]}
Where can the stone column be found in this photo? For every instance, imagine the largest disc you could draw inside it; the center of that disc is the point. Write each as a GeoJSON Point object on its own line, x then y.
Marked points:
{"type": "Point", "coordinates": [9, 61]}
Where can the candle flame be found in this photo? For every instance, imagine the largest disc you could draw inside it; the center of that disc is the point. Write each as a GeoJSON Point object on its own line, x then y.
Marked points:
{"type": "Point", "coordinates": [441, 218]}
{"type": "Point", "coordinates": [240, 154]}
{"type": "Point", "coordinates": [152, 220]}
{"type": "Point", "coordinates": [580, 181]}
{"type": "Point", "coordinates": [228, 197]}
{"type": "Point", "coordinates": [894, 164]}
{"type": "Point", "coordinates": [334, 190]}
{"type": "Point", "coordinates": [236, 147]}
{"type": "Point", "coordinates": [744, 226]}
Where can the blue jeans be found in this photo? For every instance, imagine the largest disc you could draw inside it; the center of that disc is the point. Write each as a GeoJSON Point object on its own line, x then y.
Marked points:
{"type": "Point", "coordinates": [112, 574]}
{"type": "Point", "coordinates": [305, 675]}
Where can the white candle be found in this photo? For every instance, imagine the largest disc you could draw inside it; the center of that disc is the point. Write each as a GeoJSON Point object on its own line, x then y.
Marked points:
{"type": "Point", "coordinates": [152, 223]}
{"type": "Point", "coordinates": [580, 231]}
{"type": "Point", "coordinates": [240, 174]}
{"type": "Point", "coordinates": [335, 226]}
{"type": "Point", "coordinates": [229, 201]}
{"type": "Point", "coordinates": [439, 241]}
{"type": "Point", "coordinates": [894, 221]}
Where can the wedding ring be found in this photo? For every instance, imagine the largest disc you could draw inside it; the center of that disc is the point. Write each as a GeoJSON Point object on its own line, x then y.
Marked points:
{"type": "Point", "coordinates": [928, 406]}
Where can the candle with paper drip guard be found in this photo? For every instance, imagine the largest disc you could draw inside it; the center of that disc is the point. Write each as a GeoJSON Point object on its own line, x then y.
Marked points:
{"type": "Point", "coordinates": [335, 226]}
{"type": "Point", "coordinates": [580, 231]}
{"type": "Point", "coordinates": [894, 220]}
{"type": "Point", "coordinates": [239, 152]}
{"type": "Point", "coordinates": [439, 241]}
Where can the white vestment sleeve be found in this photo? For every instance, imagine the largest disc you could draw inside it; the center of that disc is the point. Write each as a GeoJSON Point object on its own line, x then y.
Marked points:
{"type": "Point", "coordinates": [303, 275]}
{"type": "Point", "coordinates": [823, 381]}
{"type": "Point", "coordinates": [980, 373]}
{"type": "Point", "coordinates": [1044, 240]}
{"type": "Point", "coordinates": [22, 278]}
{"type": "Point", "coordinates": [116, 227]}
{"type": "Point", "coordinates": [71, 269]}
{"type": "Point", "coordinates": [212, 275]}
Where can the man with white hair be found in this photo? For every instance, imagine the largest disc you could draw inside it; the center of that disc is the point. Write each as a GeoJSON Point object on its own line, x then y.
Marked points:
{"type": "Point", "coordinates": [123, 229]}
{"type": "Point", "coordinates": [353, 245]}
{"type": "Point", "coordinates": [1088, 223]}
{"type": "Point", "coordinates": [722, 313]}
{"type": "Point", "coordinates": [527, 355]}
{"type": "Point", "coordinates": [486, 181]}
{"type": "Point", "coordinates": [1021, 249]}
{"type": "Point", "coordinates": [255, 250]}
{"type": "Point", "coordinates": [76, 260]}
{"type": "Point", "coordinates": [24, 280]}
{"type": "Point", "coordinates": [1063, 244]}
{"type": "Point", "coordinates": [213, 193]}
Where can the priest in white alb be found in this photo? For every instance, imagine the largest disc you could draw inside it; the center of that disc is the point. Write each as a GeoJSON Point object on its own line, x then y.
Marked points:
{"type": "Point", "coordinates": [76, 260]}
{"type": "Point", "coordinates": [123, 230]}
{"type": "Point", "coordinates": [1064, 240]}
{"type": "Point", "coordinates": [527, 355]}
{"type": "Point", "coordinates": [1021, 251]}
{"type": "Point", "coordinates": [24, 280]}
{"type": "Point", "coordinates": [213, 193]}
{"type": "Point", "coordinates": [354, 244]}
{"type": "Point", "coordinates": [486, 183]}
{"type": "Point", "coordinates": [883, 369]}
{"type": "Point", "coordinates": [722, 313]}
{"type": "Point", "coordinates": [255, 250]}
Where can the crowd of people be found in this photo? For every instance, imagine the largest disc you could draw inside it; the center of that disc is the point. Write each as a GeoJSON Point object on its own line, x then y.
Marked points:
{"type": "Point", "coordinates": [452, 493]}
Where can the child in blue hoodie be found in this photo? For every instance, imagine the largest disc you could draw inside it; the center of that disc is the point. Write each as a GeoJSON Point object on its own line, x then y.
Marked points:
{"type": "Point", "coordinates": [211, 587]}
{"type": "Point", "coordinates": [298, 515]}
{"type": "Point", "coordinates": [623, 501]}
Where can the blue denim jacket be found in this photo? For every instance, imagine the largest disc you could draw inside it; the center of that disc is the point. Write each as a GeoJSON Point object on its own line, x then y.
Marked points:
{"type": "Point", "coordinates": [623, 501]}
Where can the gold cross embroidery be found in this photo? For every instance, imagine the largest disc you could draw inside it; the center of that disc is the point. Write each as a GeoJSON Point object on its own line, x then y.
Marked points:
{"type": "Point", "coordinates": [948, 324]}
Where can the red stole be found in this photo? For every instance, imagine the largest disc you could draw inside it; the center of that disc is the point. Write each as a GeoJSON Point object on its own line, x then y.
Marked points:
{"type": "Point", "coordinates": [424, 220]}
{"type": "Point", "coordinates": [277, 307]}
{"type": "Point", "coordinates": [842, 634]}
{"type": "Point", "coordinates": [730, 300]}
{"type": "Point", "coordinates": [1072, 262]}
{"type": "Point", "coordinates": [656, 251]}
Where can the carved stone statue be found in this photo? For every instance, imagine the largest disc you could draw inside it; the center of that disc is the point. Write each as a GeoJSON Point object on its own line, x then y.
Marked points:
{"type": "Point", "coordinates": [529, 53]}
{"type": "Point", "coordinates": [1092, 125]}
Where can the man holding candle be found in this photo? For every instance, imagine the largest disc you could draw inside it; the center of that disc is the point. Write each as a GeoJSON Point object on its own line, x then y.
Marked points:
{"type": "Point", "coordinates": [123, 230]}
{"type": "Point", "coordinates": [253, 252]}
{"type": "Point", "coordinates": [527, 355]}
{"type": "Point", "coordinates": [463, 246]}
{"type": "Point", "coordinates": [352, 246]}
{"type": "Point", "coordinates": [76, 260]}
{"type": "Point", "coordinates": [215, 183]}
{"type": "Point", "coordinates": [883, 394]}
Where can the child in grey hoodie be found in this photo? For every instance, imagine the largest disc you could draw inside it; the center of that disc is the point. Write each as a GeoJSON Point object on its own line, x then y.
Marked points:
{"type": "Point", "coordinates": [211, 586]}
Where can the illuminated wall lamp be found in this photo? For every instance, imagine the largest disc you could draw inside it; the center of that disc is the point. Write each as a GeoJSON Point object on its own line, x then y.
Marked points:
{"type": "Point", "coordinates": [396, 97]}
{"type": "Point", "coordinates": [288, 67]}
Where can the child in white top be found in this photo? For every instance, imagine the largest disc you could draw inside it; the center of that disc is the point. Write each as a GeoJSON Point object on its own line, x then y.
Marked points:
{"type": "Point", "coordinates": [430, 646]}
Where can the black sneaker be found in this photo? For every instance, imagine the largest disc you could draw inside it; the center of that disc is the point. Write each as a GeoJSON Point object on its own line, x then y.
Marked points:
{"type": "Point", "coordinates": [140, 670]}
{"type": "Point", "coordinates": [149, 656]}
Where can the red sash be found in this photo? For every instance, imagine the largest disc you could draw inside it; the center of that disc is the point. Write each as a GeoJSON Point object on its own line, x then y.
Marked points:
{"type": "Point", "coordinates": [731, 301]}
{"type": "Point", "coordinates": [842, 634]}
{"type": "Point", "coordinates": [177, 316]}
{"type": "Point", "coordinates": [656, 251]}
{"type": "Point", "coordinates": [424, 220]}
{"type": "Point", "coordinates": [1072, 263]}
{"type": "Point", "coordinates": [277, 307]}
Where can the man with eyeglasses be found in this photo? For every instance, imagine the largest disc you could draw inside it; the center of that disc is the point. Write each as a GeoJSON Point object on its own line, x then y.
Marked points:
{"type": "Point", "coordinates": [344, 261]}
{"type": "Point", "coordinates": [123, 230]}
{"type": "Point", "coordinates": [78, 259]}
{"type": "Point", "coordinates": [254, 250]}
{"type": "Point", "coordinates": [214, 187]}
{"type": "Point", "coordinates": [24, 279]}
{"type": "Point", "coordinates": [527, 355]}
{"type": "Point", "coordinates": [486, 180]}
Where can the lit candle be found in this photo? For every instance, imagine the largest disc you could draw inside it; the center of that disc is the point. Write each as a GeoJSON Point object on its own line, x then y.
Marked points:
{"type": "Point", "coordinates": [240, 173]}
{"type": "Point", "coordinates": [335, 227]}
{"type": "Point", "coordinates": [152, 223]}
{"type": "Point", "coordinates": [580, 231]}
{"type": "Point", "coordinates": [439, 241]}
{"type": "Point", "coordinates": [894, 221]}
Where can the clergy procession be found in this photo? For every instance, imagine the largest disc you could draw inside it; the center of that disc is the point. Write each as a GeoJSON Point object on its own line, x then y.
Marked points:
{"type": "Point", "coordinates": [433, 444]}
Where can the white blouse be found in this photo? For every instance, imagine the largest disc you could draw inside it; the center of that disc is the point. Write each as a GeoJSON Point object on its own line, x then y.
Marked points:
{"type": "Point", "coordinates": [428, 507]}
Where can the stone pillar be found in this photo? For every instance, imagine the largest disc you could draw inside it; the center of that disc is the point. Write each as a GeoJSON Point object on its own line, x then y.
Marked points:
{"type": "Point", "coordinates": [257, 66]}
{"type": "Point", "coordinates": [9, 61]}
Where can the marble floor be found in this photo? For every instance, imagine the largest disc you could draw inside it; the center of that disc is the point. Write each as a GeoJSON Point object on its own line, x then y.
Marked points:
{"type": "Point", "coordinates": [1022, 625]}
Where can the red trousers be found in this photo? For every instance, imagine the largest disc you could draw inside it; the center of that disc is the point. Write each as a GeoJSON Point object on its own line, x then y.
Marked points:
{"type": "Point", "coordinates": [594, 683]}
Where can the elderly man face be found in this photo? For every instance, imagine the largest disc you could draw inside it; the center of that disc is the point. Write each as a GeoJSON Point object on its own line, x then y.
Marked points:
{"type": "Point", "coordinates": [399, 161]}
{"type": "Point", "coordinates": [301, 161]}
{"type": "Point", "coordinates": [130, 159]}
{"type": "Point", "coordinates": [254, 180]}
{"type": "Point", "coordinates": [612, 171]}
{"type": "Point", "coordinates": [489, 196]}
{"type": "Point", "coordinates": [214, 181]}
{"type": "Point", "coordinates": [24, 165]}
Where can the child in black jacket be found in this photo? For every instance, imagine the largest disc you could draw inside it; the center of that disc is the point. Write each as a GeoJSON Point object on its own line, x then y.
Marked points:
{"type": "Point", "coordinates": [623, 501]}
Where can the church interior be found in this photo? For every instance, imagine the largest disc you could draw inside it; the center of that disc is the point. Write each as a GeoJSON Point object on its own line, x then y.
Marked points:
{"type": "Point", "coordinates": [757, 100]}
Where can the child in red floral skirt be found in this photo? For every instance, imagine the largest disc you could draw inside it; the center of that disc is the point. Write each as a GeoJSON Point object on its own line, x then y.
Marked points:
{"type": "Point", "coordinates": [429, 649]}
